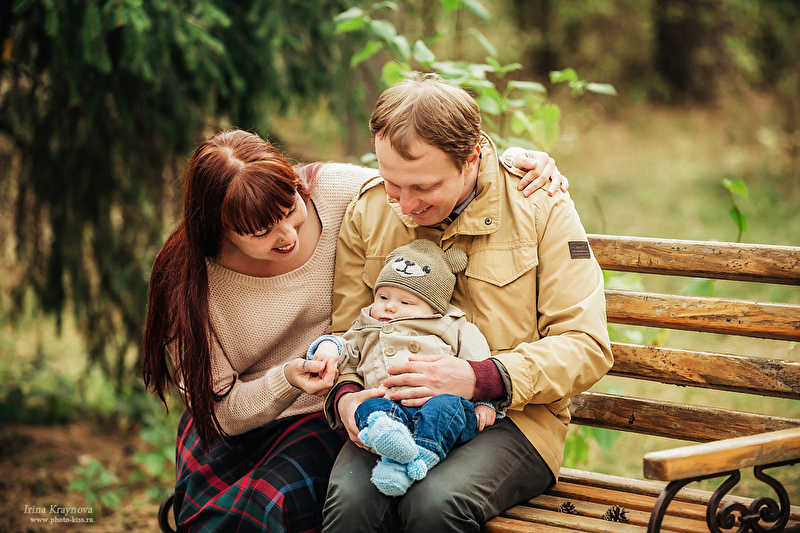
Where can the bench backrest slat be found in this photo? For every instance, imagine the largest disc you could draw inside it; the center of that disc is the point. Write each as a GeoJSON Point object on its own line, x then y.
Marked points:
{"type": "Point", "coordinates": [670, 420]}
{"type": "Point", "coordinates": [714, 315]}
{"type": "Point", "coordinates": [743, 373]}
{"type": "Point", "coordinates": [742, 262]}
{"type": "Point", "coordinates": [752, 375]}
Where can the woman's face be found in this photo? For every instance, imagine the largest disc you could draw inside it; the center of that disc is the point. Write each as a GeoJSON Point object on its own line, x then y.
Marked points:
{"type": "Point", "coordinates": [278, 243]}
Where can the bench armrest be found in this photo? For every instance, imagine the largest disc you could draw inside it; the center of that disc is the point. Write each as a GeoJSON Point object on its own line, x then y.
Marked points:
{"type": "Point", "coordinates": [723, 456]}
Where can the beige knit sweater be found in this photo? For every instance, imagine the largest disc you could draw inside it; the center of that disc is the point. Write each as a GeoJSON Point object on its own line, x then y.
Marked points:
{"type": "Point", "coordinates": [262, 323]}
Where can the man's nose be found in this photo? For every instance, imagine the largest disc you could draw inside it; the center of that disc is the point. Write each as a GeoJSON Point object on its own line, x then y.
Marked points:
{"type": "Point", "coordinates": [408, 203]}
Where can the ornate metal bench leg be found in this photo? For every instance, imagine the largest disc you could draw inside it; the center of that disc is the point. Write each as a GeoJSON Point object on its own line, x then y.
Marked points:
{"type": "Point", "coordinates": [765, 509]}
{"type": "Point", "coordinates": [163, 514]}
{"type": "Point", "coordinates": [664, 499]}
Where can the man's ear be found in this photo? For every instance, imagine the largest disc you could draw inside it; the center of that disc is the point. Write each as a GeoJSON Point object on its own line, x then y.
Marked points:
{"type": "Point", "coordinates": [475, 157]}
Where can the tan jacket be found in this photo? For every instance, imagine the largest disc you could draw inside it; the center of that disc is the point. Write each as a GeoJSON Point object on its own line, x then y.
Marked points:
{"type": "Point", "coordinates": [371, 346]}
{"type": "Point", "coordinates": [532, 286]}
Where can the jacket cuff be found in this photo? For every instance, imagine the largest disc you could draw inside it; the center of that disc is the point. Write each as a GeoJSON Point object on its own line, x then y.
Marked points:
{"type": "Point", "coordinates": [488, 383]}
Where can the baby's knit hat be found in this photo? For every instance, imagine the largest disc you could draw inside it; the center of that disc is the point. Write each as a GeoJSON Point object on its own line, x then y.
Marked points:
{"type": "Point", "coordinates": [422, 268]}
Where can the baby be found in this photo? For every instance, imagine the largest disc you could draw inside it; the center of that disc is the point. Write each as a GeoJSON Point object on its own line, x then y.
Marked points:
{"type": "Point", "coordinates": [410, 315]}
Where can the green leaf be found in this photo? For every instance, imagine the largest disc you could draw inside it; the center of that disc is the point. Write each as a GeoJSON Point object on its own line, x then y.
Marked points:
{"type": "Point", "coordinates": [369, 50]}
{"type": "Point", "coordinates": [402, 48]}
{"type": "Point", "coordinates": [489, 104]}
{"type": "Point", "coordinates": [568, 74]}
{"type": "Point", "coordinates": [737, 187]}
{"type": "Point", "coordinates": [606, 438]}
{"type": "Point", "coordinates": [547, 126]}
{"type": "Point", "coordinates": [602, 88]}
{"type": "Point", "coordinates": [531, 86]}
{"type": "Point", "coordinates": [739, 219]}
{"type": "Point", "coordinates": [389, 6]}
{"type": "Point", "coordinates": [350, 25]}
{"type": "Point", "coordinates": [351, 14]}
{"type": "Point", "coordinates": [576, 448]}
{"type": "Point", "coordinates": [383, 29]}
{"type": "Point", "coordinates": [521, 124]}
{"type": "Point", "coordinates": [484, 42]}
{"type": "Point", "coordinates": [111, 499]}
{"type": "Point", "coordinates": [394, 71]}
{"type": "Point", "coordinates": [477, 9]}
{"type": "Point", "coordinates": [699, 287]}
{"type": "Point", "coordinates": [423, 54]}
{"type": "Point", "coordinates": [452, 5]}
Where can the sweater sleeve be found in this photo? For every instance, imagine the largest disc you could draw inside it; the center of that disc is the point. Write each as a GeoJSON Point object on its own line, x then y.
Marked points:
{"type": "Point", "coordinates": [254, 400]}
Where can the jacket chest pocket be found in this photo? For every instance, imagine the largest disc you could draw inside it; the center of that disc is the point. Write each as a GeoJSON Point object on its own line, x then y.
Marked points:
{"type": "Point", "coordinates": [501, 293]}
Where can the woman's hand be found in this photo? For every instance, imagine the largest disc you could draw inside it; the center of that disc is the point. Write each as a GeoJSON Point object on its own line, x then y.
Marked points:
{"type": "Point", "coordinates": [428, 376]}
{"type": "Point", "coordinates": [541, 167]}
{"type": "Point", "coordinates": [314, 377]}
{"type": "Point", "coordinates": [347, 406]}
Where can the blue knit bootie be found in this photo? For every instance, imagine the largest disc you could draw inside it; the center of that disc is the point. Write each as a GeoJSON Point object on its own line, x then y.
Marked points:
{"type": "Point", "coordinates": [389, 438]}
{"type": "Point", "coordinates": [390, 477]}
{"type": "Point", "coordinates": [425, 460]}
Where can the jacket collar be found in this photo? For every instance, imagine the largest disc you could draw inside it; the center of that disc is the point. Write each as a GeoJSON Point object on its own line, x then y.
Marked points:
{"type": "Point", "coordinates": [365, 321]}
{"type": "Point", "coordinates": [482, 215]}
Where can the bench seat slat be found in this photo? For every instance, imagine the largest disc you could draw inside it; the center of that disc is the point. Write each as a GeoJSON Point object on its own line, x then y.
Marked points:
{"type": "Point", "coordinates": [501, 524]}
{"type": "Point", "coordinates": [712, 315]}
{"type": "Point", "coordinates": [607, 497]}
{"type": "Point", "coordinates": [637, 512]}
{"type": "Point", "coordinates": [576, 522]}
{"type": "Point", "coordinates": [751, 375]}
{"type": "Point", "coordinates": [717, 260]}
{"type": "Point", "coordinates": [647, 488]}
{"type": "Point", "coordinates": [671, 420]}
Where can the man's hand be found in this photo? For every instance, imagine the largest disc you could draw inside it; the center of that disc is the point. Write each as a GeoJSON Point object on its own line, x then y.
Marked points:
{"type": "Point", "coordinates": [428, 376]}
{"type": "Point", "coordinates": [347, 406]}
{"type": "Point", "coordinates": [541, 167]}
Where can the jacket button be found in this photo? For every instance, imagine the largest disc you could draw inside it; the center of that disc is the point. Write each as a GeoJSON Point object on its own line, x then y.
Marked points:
{"type": "Point", "coordinates": [488, 221]}
{"type": "Point", "coordinates": [390, 350]}
{"type": "Point", "coordinates": [413, 347]}
{"type": "Point", "coordinates": [387, 328]}
{"type": "Point", "coordinates": [412, 333]}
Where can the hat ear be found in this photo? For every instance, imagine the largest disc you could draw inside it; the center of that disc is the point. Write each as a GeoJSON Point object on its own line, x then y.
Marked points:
{"type": "Point", "coordinates": [391, 257]}
{"type": "Point", "coordinates": [456, 259]}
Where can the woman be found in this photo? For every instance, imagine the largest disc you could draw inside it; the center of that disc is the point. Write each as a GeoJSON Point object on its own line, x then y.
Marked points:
{"type": "Point", "coordinates": [238, 292]}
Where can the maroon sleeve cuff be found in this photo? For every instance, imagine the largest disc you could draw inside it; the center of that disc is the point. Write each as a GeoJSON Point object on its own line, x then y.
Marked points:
{"type": "Point", "coordinates": [488, 383]}
{"type": "Point", "coordinates": [341, 391]}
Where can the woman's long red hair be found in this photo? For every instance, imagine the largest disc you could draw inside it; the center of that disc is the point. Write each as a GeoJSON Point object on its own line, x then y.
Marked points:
{"type": "Point", "coordinates": [234, 181]}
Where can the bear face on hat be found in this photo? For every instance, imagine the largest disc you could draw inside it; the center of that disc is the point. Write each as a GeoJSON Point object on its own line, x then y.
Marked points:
{"type": "Point", "coordinates": [425, 270]}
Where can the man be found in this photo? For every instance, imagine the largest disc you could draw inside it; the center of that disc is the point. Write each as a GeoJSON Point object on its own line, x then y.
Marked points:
{"type": "Point", "coordinates": [531, 286]}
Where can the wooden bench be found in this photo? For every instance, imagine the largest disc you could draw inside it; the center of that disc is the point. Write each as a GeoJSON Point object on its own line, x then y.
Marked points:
{"type": "Point", "coordinates": [733, 440]}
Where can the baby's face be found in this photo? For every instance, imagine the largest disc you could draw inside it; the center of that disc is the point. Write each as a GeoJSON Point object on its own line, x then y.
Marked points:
{"type": "Point", "coordinates": [392, 302]}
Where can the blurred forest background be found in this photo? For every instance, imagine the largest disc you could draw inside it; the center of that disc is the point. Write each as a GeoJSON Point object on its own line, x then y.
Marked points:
{"type": "Point", "coordinates": [689, 128]}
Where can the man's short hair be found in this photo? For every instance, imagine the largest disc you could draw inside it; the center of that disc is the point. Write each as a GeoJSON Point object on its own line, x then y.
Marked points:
{"type": "Point", "coordinates": [428, 109]}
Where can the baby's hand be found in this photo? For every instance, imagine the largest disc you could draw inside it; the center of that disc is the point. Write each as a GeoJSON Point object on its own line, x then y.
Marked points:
{"type": "Point", "coordinates": [327, 350]}
{"type": "Point", "coordinates": [485, 415]}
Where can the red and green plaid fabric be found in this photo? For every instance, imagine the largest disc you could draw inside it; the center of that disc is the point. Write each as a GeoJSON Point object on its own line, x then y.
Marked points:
{"type": "Point", "coordinates": [270, 479]}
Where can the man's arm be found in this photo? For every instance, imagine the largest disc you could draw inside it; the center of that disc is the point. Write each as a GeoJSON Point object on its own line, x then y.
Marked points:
{"type": "Point", "coordinates": [574, 350]}
{"type": "Point", "coordinates": [350, 293]}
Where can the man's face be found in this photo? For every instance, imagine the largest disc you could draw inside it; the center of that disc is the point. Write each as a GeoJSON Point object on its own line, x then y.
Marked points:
{"type": "Point", "coordinates": [429, 187]}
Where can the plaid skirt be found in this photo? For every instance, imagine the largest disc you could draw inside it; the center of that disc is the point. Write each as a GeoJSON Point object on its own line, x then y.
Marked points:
{"type": "Point", "coordinates": [270, 479]}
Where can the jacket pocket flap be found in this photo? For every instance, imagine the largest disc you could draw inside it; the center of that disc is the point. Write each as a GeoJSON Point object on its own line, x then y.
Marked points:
{"type": "Point", "coordinates": [502, 263]}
